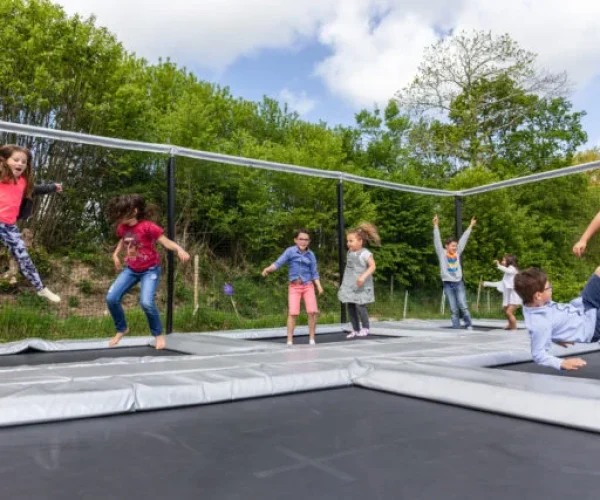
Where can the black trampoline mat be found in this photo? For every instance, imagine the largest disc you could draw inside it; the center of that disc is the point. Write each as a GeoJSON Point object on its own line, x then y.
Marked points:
{"type": "Point", "coordinates": [477, 328]}
{"type": "Point", "coordinates": [591, 370]}
{"type": "Point", "coordinates": [326, 338]}
{"type": "Point", "coordinates": [347, 443]}
{"type": "Point", "coordinates": [34, 357]}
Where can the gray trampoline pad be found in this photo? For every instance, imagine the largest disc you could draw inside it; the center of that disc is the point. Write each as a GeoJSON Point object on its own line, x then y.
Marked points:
{"type": "Point", "coordinates": [33, 357]}
{"type": "Point", "coordinates": [326, 338]}
{"type": "Point", "coordinates": [336, 444]}
{"type": "Point", "coordinates": [591, 370]}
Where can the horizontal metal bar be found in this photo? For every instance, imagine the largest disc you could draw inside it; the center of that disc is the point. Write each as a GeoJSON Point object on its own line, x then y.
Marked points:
{"type": "Point", "coordinates": [541, 176]}
{"type": "Point", "coordinates": [280, 167]}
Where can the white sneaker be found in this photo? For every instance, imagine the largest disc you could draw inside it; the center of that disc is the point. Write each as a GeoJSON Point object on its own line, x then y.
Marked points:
{"type": "Point", "coordinates": [363, 333]}
{"type": "Point", "coordinates": [47, 294]}
{"type": "Point", "coordinates": [311, 342]}
{"type": "Point", "coordinates": [469, 328]}
{"type": "Point", "coordinates": [351, 335]}
{"type": "Point", "coordinates": [290, 344]}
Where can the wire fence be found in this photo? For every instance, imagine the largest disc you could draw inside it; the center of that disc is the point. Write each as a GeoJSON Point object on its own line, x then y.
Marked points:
{"type": "Point", "coordinates": [235, 220]}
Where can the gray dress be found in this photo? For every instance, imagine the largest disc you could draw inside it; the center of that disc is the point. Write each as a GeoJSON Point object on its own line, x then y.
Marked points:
{"type": "Point", "coordinates": [349, 292]}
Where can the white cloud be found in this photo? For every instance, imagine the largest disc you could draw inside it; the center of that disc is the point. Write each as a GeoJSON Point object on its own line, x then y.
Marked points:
{"type": "Point", "coordinates": [297, 101]}
{"type": "Point", "coordinates": [208, 33]}
{"type": "Point", "coordinates": [564, 34]}
{"type": "Point", "coordinates": [375, 45]}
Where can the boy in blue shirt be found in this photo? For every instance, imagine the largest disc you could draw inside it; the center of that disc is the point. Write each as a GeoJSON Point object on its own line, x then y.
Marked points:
{"type": "Point", "coordinates": [302, 279]}
{"type": "Point", "coordinates": [563, 324]}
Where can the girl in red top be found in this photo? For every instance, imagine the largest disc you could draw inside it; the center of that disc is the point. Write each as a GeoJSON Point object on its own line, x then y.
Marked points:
{"type": "Point", "coordinates": [16, 185]}
{"type": "Point", "coordinates": [137, 238]}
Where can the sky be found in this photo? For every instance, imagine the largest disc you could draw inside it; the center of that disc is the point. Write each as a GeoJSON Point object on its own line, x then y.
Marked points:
{"type": "Point", "coordinates": [328, 59]}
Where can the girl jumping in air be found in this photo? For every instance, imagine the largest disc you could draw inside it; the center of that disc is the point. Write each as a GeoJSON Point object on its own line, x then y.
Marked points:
{"type": "Point", "coordinates": [138, 237]}
{"type": "Point", "coordinates": [302, 278]}
{"type": "Point", "coordinates": [16, 191]}
{"type": "Point", "coordinates": [510, 300]}
{"type": "Point", "coordinates": [357, 286]}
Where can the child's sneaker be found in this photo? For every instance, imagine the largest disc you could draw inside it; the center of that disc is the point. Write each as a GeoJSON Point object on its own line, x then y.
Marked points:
{"type": "Point", "coordinates": [363, 333]}
{"type": "Point", "coordinates": [351, 335]}
{"type": "Point", "coordinates": [311, 342]}
{"type": "Point", "coordinates": [469, 328]}
{"type": "Point", "coordinates": [47, 294]}
{"type": "Point", "coordinates": [289, 344]}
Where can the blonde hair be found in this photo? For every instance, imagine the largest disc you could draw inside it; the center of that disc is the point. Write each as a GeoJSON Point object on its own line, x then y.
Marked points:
{"type": "Point", "coordinates": [366, 232]}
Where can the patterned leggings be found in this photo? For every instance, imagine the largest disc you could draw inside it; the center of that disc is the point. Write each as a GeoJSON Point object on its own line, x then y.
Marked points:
{"type": "Point", "coordinates": [11, 238]}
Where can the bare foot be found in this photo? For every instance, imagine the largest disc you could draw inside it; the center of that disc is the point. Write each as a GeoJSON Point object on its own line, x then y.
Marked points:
{"type": "Point", "coordinates": [117, 338]}
{"type": "Point", "coordinates": [161, 342]}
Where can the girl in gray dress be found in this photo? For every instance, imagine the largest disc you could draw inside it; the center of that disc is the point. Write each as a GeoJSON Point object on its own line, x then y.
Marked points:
{"type": "Point", "coordinates": [357, 286]}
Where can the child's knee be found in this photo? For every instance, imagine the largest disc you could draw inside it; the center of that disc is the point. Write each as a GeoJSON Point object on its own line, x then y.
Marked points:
{"type": "Point", "coordinates": [112, 299]}
{"type": "Point", "coordinates": [597, 272]}
{"type": "Point", "coordinates": [147, 305]}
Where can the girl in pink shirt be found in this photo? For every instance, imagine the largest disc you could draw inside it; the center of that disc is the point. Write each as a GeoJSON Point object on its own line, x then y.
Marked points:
{"type": "Point", "coordinates": [137, 238]}
{"type": "Point", "coordinates": [16, 183]}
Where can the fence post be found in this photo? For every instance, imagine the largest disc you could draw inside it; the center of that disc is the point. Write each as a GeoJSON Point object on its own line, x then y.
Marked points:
{"type": "Point", "coordinates": [196, 272]}
{"type": "Point", "coordinates": [341, 241]}
{"type": "Point", "coordinates": [405, 304]}
{"type": "Point", "coordinates": [171, 236]}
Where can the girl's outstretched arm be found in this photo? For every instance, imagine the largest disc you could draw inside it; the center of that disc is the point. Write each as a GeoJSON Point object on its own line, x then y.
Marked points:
{"type": "Point", "coordinates": [171, 245]}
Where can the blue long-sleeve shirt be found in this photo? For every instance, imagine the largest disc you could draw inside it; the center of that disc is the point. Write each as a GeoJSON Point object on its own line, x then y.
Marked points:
{"type": "Point", "coordinates": [300, 265]}
{"type": "Point", "coordinates": [557, 322]}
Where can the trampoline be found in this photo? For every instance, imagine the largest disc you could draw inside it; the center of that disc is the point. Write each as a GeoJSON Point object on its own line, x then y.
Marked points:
{"type": "Point", "coordinates": [326, 338]}
{"type": "Point", "coordinates": [236, 419]}
{"type": "Point", "coordinates": [590, 371]}
{"type": "Point", "coordinates": [346, 443]}
{"type": "Point", "coordinates": [35, 357]}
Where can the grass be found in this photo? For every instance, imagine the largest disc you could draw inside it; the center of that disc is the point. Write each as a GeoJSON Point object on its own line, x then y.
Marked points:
{"type": "Point", "coordinates": [20, 323]}
{"type": "Point", "coordinates": [255, 307]}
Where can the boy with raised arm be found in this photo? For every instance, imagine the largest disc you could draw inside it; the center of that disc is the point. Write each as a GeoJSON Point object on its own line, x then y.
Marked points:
{"type": "Point", "coordinates": [451, 272]}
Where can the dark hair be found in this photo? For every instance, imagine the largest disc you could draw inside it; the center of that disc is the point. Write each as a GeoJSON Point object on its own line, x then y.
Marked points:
{"type": "Point", "coordinates": [299, 231]}
{"type": "Point", "coordinates": [123, 207]}
{"type": "Point", "coordinates": [511, 260]}
{"type": "Point", "coordinates": [530, 282]}
{"type": "Point", "coordinates": [366, 232]}
{"type": "Point", "coordinates": [6, 174]}
{"type": "Point", "coordinates": [450, 240]}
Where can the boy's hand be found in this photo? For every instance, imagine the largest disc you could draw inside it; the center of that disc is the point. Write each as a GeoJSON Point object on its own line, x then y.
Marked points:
{"type": "Point", "coordinates": [571, 364]}
{"type": "Point", "coordinates": [496, 262]}
{"type": "Point", "coordinates": [579, 248]}
{"type": "Point", "coordinates": [473, 222]}
{"type": "Point", "coordinates": [117, 263]}
{"type": "Point", "coordinates": [58, 188]}
{"type": "Point", "coordinates": [435, 220]}
{"type": "Point", "coordinates": [320, 290]}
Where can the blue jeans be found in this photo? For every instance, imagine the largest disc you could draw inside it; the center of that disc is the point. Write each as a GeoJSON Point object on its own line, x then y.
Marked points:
{"type": "Point", "coordinates": [126, 281]}
{"type": "Point", "coordinates": [457, 298]}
